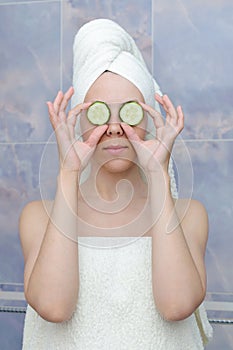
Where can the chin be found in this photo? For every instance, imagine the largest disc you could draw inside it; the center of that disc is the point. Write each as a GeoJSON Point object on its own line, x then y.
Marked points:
{"type": "Point", "coordinates": [118, 165]}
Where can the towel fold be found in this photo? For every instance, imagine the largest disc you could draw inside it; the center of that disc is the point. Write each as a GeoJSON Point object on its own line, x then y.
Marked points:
{"type": "Point", "coordinates": [102, 45]}
{"type": "Point", "coordinates": [204, 326]}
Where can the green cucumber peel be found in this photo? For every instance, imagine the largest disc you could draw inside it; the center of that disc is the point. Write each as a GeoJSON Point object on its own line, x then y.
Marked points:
{"type": "Point", "coordinates": [131, 113]}
{"type": "Point", "coordinates": [98, 113]}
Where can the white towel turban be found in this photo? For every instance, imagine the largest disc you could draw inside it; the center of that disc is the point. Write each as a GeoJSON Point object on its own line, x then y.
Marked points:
{"type": "Point", "coordinates": [102, 45]}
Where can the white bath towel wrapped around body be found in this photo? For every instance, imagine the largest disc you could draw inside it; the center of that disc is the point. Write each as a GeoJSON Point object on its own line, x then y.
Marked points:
{"type": "Point", "coordinates": [116, 308]}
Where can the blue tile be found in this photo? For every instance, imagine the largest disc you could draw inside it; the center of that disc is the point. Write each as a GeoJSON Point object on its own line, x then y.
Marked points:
{"type": "Point", "coordinates": [29, 69]}
{"type": "Point", "coordinates": [11, 331]}
{"type": "Point", "coordinates": [192, 60]}
{"type": "Point", "coordinates": [222, 338]}
{"type": "Point", "coordinates": [24, 176]}
{"type": "Point", "coordinates": [212, 164]}
{"type": "Point", "coordinates": [22, 2]}
{"type": "Point", "coordinates": [18, 185]}
{"type": "Point", "coordinates": [212, 179]}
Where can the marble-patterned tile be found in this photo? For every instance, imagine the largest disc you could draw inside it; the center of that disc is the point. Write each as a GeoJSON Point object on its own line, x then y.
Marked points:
{"type": "Point", "coordinates": [29, 69]}
{"type": "Point", "coordinates": [76, 13]}
{"type": "Point", "coordinates": [212, 180]}
{"type": "Point", "coordinates": [192, 50]}
{"type": "Point", "coordinates": [11, 331]}
{"type": "Point", "coordinates": [28, 172]}
{"type": "Point", "coordinates": [20, 179]}
{"type": "Point", "coordinates": [222, 338]}
{"type": "Point", "coordinates": [213, 172]}
{"type": "Point", "coordinates": [22, 2]}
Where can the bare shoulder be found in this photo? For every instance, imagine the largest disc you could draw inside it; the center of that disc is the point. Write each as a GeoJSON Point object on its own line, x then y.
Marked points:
{"type": "Point", "coordinates": [33, 212]}
{"type": "Point", "coordinates": [190, 208]}
{"type": "Point", "coordinates": [194, 220]}
{"type": "Point", "coordinates": [32, 224]}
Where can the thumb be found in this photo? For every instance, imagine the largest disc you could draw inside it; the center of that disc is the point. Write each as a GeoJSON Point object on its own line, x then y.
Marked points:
{"type": "Point", "coordinates": [133, 138]}
{"type": "Point", "coordinates": [96, 135]}
{"type": "Point", "coordinates": [130, 133]}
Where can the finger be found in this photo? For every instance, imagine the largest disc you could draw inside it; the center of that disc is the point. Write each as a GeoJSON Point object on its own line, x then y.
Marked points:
{"type": "Point", "coordinates": [57, 101]}
{"type": "Point", "coordinates": [169, 107]}
{"type": "Point", "coordinates": [71, 127]}
{"type": "Point", "coordinates": [52, 114]}
{"type": "Point", "coordinates": [77, 109]}
{"type": "Point", "coordinates": [96, 135]}
{"type": "Point", "coordinates": [66, 98]}
{"type": "Point", "coordinates": [180, 117]}
{"type": "Point", "coordinates": [159, 99]}
{"type": "Point", "coordinates": [130, 133]}
{"type": "Point", "coordinates": [135, 140]}
{"type": "Point", "coordinates": [73, 115]}
{"type": "Point", "coordinates": [157, 117]}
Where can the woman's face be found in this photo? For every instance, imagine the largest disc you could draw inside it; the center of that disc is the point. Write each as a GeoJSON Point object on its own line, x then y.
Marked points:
{"type": "Point", "coordinates": [114, 150]}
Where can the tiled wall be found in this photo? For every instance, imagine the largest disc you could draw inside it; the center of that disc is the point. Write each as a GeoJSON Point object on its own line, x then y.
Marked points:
{"type": "Point", "coordinates": [192, 60]}
{"type": "Point", "coordinates": [193, 51]}
{"type": "Point", "coordinates": [187, 44]}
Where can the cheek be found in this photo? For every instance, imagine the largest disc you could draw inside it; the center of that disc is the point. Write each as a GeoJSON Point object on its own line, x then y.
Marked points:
{"type": "Point", "coordinates": [141, 132]}
{"type": "Point", "coordinates": [141, 129]}
{"type": "Point", "coordinates": [86, 128]}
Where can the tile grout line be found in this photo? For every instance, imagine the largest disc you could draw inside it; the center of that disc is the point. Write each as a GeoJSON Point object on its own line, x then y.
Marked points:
{"type": "Point", "coordinates": [205, 140]}
{"type": "Point", "coordinates": [28, 143]}
{"type": "Point", "coordinates": [152, 37]}
{"type": "Point", "coordinates": [61, 45]}
{"type": "Point", "coordinates": [54, 142]}
{"type": "Point", "coordinates": [152, 70]}
{"type": "Point", "coordinates": [27, 2]}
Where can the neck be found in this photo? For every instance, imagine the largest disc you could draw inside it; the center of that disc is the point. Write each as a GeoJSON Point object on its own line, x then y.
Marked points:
{"type": "Point", "coordinates": [110, 186]}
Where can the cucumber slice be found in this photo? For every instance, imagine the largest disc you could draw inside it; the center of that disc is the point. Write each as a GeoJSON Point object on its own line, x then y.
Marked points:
{"type": "Point", "coordinates": [131, 113]}
{"type": "Point", "coordinates": [98, 113]}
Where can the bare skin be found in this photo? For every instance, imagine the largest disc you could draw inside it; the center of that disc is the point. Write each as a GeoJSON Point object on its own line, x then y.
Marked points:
{"type": "Point", "coordinates": [48, 230]}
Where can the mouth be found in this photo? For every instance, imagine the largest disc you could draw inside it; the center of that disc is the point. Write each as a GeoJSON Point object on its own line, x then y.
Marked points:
{"type": "Point", "coordinates": [115, 149]}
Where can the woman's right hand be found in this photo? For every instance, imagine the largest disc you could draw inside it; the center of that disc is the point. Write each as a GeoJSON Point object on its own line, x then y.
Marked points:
{"type": "Point", "coordinates": [73, 154]}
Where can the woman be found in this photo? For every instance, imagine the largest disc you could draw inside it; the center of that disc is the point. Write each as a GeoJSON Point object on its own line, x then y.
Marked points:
{"type": "Point", "coordinates": [109, 264]}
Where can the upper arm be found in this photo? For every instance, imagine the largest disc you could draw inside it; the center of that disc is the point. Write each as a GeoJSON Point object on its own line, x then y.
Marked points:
{"type": "Point", "coordinates": [194, 222]}
{"type": "Point", "coordinates": [32, 226]}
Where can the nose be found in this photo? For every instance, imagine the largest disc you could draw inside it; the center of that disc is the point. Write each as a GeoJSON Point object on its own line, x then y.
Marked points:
{"type": "Point", "coordinates": [114, 129]}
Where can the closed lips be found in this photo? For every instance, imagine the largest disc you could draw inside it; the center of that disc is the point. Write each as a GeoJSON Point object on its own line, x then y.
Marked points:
{"type": "Point", "coordinates": [115, 147]}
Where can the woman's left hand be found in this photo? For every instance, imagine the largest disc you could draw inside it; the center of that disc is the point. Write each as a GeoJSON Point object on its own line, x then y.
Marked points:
{"type": "Point", "coordinates": [154, 154]}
